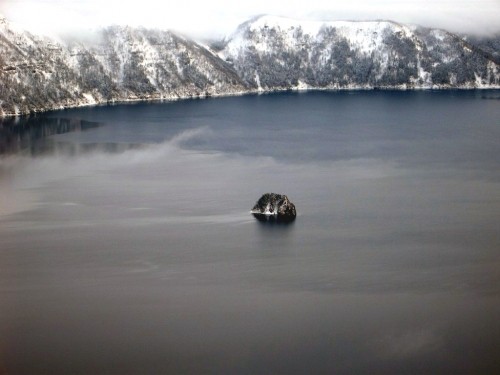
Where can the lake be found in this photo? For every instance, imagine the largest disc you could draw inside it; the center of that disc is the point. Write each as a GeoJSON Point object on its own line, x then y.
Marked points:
{"type": "Point", "coordinates": [127, 244]}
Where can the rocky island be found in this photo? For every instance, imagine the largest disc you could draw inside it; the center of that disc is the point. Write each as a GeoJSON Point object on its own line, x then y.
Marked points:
{"type": "Point", "coordinates": [274, 207]}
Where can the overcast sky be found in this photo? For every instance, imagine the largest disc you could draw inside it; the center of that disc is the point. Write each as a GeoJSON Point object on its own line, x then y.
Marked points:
{"type": "Point", "coordinates": [213, 18]}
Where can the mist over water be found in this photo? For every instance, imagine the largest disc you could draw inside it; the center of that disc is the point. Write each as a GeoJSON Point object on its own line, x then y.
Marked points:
{"type": "Point", "coordinates": [127, 245]}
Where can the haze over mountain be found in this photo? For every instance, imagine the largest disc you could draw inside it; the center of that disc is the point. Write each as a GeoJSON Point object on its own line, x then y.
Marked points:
{"type": "Point", "coordinates": [216, 18]}
{"type": "Point", "coordinates": [264, 54]}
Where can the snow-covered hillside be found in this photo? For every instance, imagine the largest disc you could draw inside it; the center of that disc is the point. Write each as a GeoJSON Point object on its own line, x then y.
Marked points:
{"type": "Point", "coordinates": [264, 54]}
{"type": "Point", "coordinates": [279, 53]}
{"type": "Point", "coordinates": [121, 63]}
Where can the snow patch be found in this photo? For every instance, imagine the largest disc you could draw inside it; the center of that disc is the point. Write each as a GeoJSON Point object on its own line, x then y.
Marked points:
{"type": "Point", "coordinates": [301, 86]}
{"type": "Point", "coordinates": [257, 80]}
{"type": "Point", "coordinates": [89, 98]}
{"type": "Point", "coordinates": [478, 81]}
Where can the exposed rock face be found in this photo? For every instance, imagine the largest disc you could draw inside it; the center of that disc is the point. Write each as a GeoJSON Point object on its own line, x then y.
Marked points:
{"type": "Point", "coordinates": [274, 207]}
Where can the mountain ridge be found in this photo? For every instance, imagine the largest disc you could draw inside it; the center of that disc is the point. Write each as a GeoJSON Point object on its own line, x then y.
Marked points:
{"type": "Point", "coordinates": [264, 54]}
{"type": "Point", "coordinates": [360, 54]}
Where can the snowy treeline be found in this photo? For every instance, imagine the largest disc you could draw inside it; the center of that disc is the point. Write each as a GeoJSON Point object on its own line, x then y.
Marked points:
{"type": "Point", "coordinates": [264, 54]}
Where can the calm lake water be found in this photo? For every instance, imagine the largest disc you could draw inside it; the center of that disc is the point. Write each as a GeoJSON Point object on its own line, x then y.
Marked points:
{"type": "Point", "coordinates": [127, 246]}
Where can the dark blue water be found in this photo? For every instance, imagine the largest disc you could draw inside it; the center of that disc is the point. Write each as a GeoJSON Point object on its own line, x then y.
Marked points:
{"type": "Point", "coordinates": [127, 246]}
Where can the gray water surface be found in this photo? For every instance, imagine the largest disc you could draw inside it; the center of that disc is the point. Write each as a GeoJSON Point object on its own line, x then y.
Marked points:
{"type": "Point", "coordinates": [127, 246]}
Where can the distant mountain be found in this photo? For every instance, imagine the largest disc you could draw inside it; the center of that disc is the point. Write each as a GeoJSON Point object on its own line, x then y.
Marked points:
{"type": "Point", "coordinates": [488, 44]}
{"type": "Point", "coordinates": [264, 54]}
{"type": "Point", "coordinates": [278, 53]}
{"type": "Point", "coordinates": [121, 63]}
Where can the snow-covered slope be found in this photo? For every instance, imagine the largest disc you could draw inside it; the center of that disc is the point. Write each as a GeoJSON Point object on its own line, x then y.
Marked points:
{"type": "Point", "coordinates": [279, 53]}
{"type": "Point", "coordinates": [120, 63]}
{"type": "Point", "coordinates": [264, 54]}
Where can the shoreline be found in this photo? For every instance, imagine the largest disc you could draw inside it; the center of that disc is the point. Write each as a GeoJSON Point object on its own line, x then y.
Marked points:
{"type": "Point", "coordinates": [260, 91]}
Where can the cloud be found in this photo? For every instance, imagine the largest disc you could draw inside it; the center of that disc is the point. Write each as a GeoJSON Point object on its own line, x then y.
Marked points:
{"type": "Point", "coordinates": [219, 17]}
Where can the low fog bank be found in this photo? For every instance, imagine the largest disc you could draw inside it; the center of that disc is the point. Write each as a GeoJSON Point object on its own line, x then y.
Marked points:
{"type": "Point", "coordinates": [215, 19]}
